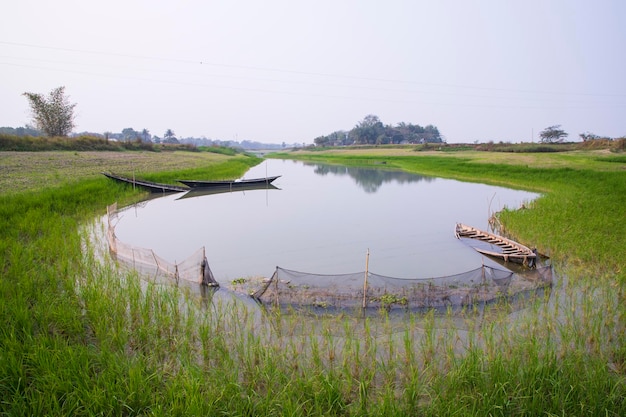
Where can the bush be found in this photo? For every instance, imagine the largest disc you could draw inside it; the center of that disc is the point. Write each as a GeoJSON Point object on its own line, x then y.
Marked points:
{"type": "Point", "coordinates": [43, 143]}
{"type": "Point", "coordinates": [525, 147]}
{"type": "Point", "coordinates": [619, 145]}
{"type": "Point", "coordinates": [82, 143]}
{"type": "Point", "coordinates": [596, 144]}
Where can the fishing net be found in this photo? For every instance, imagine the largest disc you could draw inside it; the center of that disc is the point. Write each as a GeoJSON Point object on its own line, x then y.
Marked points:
{"type": "Point", "coordinates": [193, 269]}
{"type": "Point", "coordinates": [361, 289]}
{"type": "Point", "coordinates": [341, 291]}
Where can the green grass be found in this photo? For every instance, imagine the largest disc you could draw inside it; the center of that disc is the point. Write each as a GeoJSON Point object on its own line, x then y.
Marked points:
{"type": "Point", "coordinates": [30, 171]}
{"type": "Point", "coordinates": [80, 338]}
{"type": "Point", "coordinates": [64, 349]}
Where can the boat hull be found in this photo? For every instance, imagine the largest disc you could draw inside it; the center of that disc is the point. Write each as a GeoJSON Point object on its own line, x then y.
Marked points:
{"type": "Point", "coordinates": [497, 246]}
{"type": "Point", "coordinates": [256, 182]}
{"type": "Point", "coordinates": [153, 187]}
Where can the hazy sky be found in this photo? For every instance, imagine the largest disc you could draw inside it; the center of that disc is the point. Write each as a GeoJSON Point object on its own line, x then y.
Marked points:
{"type": "Point", "coordinates": [274, 71]}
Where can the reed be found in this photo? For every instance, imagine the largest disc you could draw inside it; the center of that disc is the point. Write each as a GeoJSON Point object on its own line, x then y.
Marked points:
{"type": "Point", "coordinates": [572, 337]}
{"type": "Point", "coordinates": [82, 338]}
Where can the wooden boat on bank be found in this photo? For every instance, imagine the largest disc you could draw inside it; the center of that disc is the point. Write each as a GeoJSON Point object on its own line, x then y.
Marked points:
{"type": "Point", "coordinates": [153, 187]}
{"type": "Point", "coordinates": [497, 246]}
{"type": "Point", "coordinates": [228, 184]}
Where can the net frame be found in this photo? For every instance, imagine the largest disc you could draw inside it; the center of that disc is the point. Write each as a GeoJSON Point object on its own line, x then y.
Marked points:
{"type": "Point", "coordinates": [370, 290]}
{"type": "Point", "coordinates": [145, 261]}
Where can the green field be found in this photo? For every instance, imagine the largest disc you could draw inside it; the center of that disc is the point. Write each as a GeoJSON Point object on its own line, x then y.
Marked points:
{"type": "Point", "coordinates": [80, 338]}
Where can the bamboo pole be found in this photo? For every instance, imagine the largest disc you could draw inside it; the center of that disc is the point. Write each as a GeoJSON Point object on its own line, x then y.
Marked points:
{"type": "Point", "coordinates": [367, 261]}
{"type": "Point", "coordinates": [275, 277]}
{"type": "Point", "coordinates": [482, 270]}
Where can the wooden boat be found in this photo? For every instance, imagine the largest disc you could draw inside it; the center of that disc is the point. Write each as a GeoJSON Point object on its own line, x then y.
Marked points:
{"type": "Point", "coordinates": [497, 246]}
{"type": "Point", "coordinates": [229, 184]}
{"type": "Point", "coordinates": [153, 187]}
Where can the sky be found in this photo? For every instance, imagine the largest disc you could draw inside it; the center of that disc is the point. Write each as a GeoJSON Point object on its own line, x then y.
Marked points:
{"type": "Point", "coordinates": [277, 71]}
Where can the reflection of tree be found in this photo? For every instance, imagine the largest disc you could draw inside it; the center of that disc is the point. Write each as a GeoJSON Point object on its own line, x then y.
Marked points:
{"type": "Point", "coordinates": [324, 170]}
{"type": "Point", "coordinates": [370, 179]}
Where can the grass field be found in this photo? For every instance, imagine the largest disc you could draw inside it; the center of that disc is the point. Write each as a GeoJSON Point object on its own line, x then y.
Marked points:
{"type": "Point", "coordinates": [79, 338]}
{"type": "Point", "coordinates": [25, 171]}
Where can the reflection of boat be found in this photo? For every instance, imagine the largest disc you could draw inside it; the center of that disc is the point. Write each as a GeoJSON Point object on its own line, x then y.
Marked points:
{"type": "Point", "coordinates": [198, 192]}
{"type": "Point", "coordinates": [153, 187]}
{"type": "Point", "coordinates": [228, 183]}
{"type": "Point", "coordinates": [497, 246]}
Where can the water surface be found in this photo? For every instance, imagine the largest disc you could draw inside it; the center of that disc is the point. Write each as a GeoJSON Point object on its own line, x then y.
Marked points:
{"type": "Point", "coordinates": [323, 219]}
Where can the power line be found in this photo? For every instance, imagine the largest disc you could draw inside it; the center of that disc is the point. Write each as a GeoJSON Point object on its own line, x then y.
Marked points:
{"type": "Point", "coordinates": [358, 98]}
{"type": "Point", "coordinates": [204, 62]}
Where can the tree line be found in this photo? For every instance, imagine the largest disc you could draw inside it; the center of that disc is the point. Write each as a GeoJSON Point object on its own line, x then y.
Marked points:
{"type": "Point", "coordinates": [54, 116]}
{"type": "Point", "coordinates": [371, 131]}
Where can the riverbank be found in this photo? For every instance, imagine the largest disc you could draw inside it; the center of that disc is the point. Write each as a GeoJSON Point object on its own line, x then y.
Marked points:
{"type": "Point", "coordinates": [79, 339]}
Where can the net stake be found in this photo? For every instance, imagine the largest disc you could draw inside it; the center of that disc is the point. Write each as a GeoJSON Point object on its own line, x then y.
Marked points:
{"type": "Point", "coordinates": [367, 261]}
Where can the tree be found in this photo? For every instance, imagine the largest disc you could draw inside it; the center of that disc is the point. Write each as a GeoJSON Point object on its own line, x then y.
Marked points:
{"type": "Point", "coordinates": [170, 137]}
{"type": "Point", "coordinates": [589, 136]}
{"type": "Point", "coordinates": [431, 134]}
{"type": "Point", "coordinates": [128, 133]}
{"type": "Point", "coordinates": [20, 131]}
{"type": "Point", "coordinates": [368, 131]}
{"type": "Point", "coordinates": [146, 135]}
{"type": "Point", "coordinates": [552, 134]}
{"type": "Point", "coordinates": [321, 141]}
{"type": "Point", "coordinates": [53, 115]}
{"type": "Point", "coordinates": [371, 131]}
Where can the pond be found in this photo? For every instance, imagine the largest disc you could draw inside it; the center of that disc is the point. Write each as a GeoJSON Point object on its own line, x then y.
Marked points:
{"type": "Point", "coordinates": [322, 219]}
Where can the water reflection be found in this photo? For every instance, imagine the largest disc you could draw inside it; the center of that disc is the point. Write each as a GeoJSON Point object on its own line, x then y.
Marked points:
{"type": "Point", "coordinates": [212, 191]}
{"type": "Point", "coordinates": [369, 179]}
